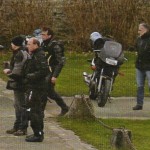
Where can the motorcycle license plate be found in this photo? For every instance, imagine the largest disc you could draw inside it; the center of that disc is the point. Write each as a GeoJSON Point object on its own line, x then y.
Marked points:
{"type": "Point", "coordinates": [111, 61]}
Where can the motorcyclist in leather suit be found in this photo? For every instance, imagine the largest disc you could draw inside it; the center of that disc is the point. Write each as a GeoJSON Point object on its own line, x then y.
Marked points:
{"type": "Point", "coordinates": [98, 42]}
{"type": "Point", "coordinates": [55, 57]}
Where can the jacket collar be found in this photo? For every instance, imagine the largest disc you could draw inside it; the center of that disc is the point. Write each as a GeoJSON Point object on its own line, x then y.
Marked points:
{"type": "Point", "coordinates": [46, 41]}
{"type": "Point", "coordinates": [146, 35]}
{"type": "Point", "coordinates": [16, 51]}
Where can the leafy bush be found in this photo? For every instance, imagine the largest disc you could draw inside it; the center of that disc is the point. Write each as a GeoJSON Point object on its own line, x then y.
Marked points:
{"type": "Point", "coordinates": [117, 18]}
{"type": "Point", "coordinates": [74, 20]}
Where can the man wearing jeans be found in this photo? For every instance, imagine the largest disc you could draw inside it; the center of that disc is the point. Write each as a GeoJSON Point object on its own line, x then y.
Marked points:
{"type": "Point", "coordinates": [142, 63]}
{"type": "Point", "coordinates": [14, 72]}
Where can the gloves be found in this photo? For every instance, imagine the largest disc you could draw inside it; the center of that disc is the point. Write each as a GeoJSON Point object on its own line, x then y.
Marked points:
{"type": "Point", "coordinates": [30, 76]}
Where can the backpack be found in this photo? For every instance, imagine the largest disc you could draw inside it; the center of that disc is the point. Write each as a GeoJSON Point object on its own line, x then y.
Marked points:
{"type": "Point", "coordinates": [52, 44]}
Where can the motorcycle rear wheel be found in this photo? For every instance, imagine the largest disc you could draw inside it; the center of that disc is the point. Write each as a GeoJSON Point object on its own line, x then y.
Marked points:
{"type": "Point", "coordinates": [104, 93]}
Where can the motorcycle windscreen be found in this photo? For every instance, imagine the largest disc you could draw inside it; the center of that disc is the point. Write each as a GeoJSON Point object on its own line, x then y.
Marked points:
{"type": "Point", "coordinates": [110, 50]}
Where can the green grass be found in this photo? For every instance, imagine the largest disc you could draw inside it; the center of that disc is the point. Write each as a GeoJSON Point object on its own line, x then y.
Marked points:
{"type": "Point", "coordinates": [70, 81]}
{"type": "Point", "coordinates": [95, 134]}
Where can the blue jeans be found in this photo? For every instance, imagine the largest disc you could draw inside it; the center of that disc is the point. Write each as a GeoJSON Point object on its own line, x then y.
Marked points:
{"type": "Point", "coordinates": [141, 75]}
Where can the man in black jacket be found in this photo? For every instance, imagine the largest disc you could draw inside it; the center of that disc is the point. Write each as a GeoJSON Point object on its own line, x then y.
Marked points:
{"type": "Point", "coordinates": [142, 62]}
{"type": "Point", "coordinates": [55, 57]}
{"type": "Point", "coordinates": [14, 73]}
{"type": "Point", "coordinates": [35, 71]}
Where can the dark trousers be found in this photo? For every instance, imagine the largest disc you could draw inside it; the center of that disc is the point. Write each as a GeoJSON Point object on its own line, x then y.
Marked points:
{"type": "Point", "coordinates": [34, 110]}
{"type": "Point", "coordinates": [21, 121]}
{"type": "Point", "coordinates": [55, 96]}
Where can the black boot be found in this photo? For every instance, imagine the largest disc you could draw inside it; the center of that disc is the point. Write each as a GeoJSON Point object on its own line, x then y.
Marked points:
{"type": "Point", "coordinates": [11, 131]}
{"type": "Point", "coordinates": [34, 138]}
{"type": "Point", "coordinates": [64, 111]}
{"type": "Point", "coordinates": [20, 132]}
{"type": "Point", "coordinates": [138, 107]}
{"type": "Point", "coordinates": [64, 108]}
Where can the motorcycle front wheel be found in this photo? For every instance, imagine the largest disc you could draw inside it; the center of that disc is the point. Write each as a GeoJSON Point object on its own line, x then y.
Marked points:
{"type": "Point", "coordinates": [92, 90]}
{"type": "Point", "coordinates": [104, 93]}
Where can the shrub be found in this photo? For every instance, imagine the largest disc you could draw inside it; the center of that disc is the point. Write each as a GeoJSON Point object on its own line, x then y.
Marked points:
{"type": "Point", "coordinates": [117, 18]}
{"type": "Point", "coordinates": [74, 20]}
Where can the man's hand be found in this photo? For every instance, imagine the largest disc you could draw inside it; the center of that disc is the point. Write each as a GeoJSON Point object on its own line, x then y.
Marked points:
{"type": "Point", "coordinates": [7, 71]}
{"type": "Point", "coordinates": [53, 80]}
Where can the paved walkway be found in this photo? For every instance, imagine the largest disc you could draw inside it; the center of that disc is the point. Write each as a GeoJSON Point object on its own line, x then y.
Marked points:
{"type": "Point", "coordinates": [55, 137]}
{"type": "Point", "coordinates": [120, 107]}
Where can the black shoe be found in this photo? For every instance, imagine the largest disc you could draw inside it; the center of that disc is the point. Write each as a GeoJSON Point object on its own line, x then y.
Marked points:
{"type": "Point", "coordinates": [31, 135]}
{"type": "Point", "coordinates": [64, 111]}
{"type": "Point", "coordinates": [11, 131]}
{"type": "Point", "coordinates": [20, 132]}
{"type": "Point", "coordinates": [34, 138]}
{"type": "Point", "coordinates": [28, 136]}
{"type": "Point", "coordinates": [138, 107]}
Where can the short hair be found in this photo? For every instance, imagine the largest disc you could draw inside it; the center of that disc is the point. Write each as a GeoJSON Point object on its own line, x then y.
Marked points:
{"type": "Point", "coordinates": [146, 26]}
{"type": "Point", "coordinates": [49, 31]}
{"type": "Point", "coordinates": [36, 41]}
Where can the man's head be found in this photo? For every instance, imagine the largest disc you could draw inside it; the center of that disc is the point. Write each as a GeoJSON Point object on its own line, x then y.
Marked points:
{"type": "Point", "coordinates": [33, 44]}
{"type": "Point", "coordinates": [46, 33]}
{"type": "Point", "coordinates": [17, 42]}
{"type": "Point", "coordinates": [143, 28]}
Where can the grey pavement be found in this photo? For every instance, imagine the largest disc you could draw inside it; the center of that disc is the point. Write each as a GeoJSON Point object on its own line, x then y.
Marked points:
{"type": "Point", "coordinates": [118, 107]}
{"type": "Point", "coordinates": [55, 137]}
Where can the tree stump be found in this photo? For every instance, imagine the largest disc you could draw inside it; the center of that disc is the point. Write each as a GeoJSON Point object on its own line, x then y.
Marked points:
{"type": "Point", "coordinates": [121, 139]}
{"type": "Point", "coordinates": [81, 108]}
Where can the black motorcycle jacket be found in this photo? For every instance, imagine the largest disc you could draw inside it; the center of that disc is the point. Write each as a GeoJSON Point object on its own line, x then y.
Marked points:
{"type": "Point", "coordinates": [35, 70]}
{"type": "Point", "coordinates": [143, 52]}
{"type": "Point", "coordinates": [55, 56]}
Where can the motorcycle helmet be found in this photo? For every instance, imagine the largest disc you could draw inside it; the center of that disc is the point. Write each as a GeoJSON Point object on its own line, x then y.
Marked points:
{"type": "Point", "coordinates": [94, 36]}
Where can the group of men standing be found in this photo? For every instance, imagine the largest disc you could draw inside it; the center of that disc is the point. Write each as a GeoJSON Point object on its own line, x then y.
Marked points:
{"type": "Point", "coordinates": [33, 72]}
